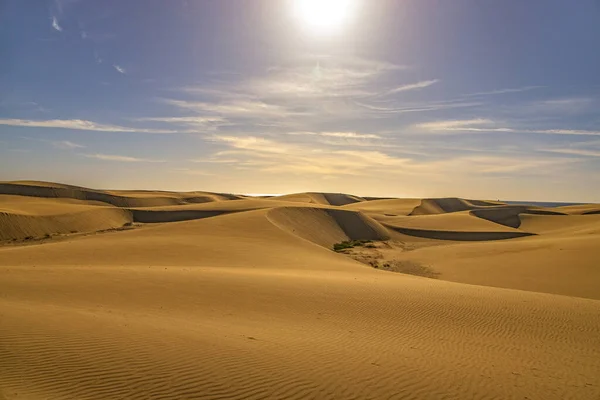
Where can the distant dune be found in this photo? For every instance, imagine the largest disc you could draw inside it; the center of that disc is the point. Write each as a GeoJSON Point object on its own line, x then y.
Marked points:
{"type": "Point", "coordinates": [154, 294]}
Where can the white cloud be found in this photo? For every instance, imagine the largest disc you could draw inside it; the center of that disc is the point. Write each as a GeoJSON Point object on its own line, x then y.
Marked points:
{"type": "Point", "coordinates": [238, 108]}
{"type": "Point", "coordinates": [496, 165]}
{"type": "Point", "coordinates": [78, 124]}
{"type": "Point", "coordinates": [55, 25]}
{"type": "Point", "coordinates": [474, 125]}
{"type": "Point", "coordinates": [66, 145]}
{"type": "Point", "coordinates": [577, 152]}
{"type": "Point", "coordinates": [566, 132]}
{"type": "Point", "coordinates": [259, 144]}
{"type": "Point", "coordinates": [215, 161]}
{"type": "Point", "coordinates": [422, 107]}
{"type": "Point", "coordinates": [344, 135]}
{"type": "Point", "coordinates": [183, 120]}
{"type": "Point", "coordinates": [195, 124]}
{"type": "Point", "coordinates": [309, 94]}
{"type": "Point", "coordinates": [271, 156]}
{"type": "Point", "coordinates": [119, 69]}
{"type": "Point", "coordinates": [351, 135]}
{"type": "Point", "coordinates": [452, 125]}
{"type": "Point", "coordinates": [570, 106]}
{"type": "Point", "coordinates": [414, 86]}
{"type": "Point", "coordinates": [503, 91]}
{"type": "Point", "coordinates": [363, 143]}
{"type": "Point", "coordinates": [294, 97]}
{"type": "Point", "coordinates": [112, 157]}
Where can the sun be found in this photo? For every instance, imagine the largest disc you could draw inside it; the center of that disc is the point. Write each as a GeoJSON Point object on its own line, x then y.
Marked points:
{"type": "Point", "coordinates": [324, 16]}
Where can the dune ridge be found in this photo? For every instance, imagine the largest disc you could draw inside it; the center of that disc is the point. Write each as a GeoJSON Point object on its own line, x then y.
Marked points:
{"type": "Point", "coordinates": [333, 199]}
{"type": "Point", "coordinates": [327, 226]}
{"type": "Point", "coordinates": [448, 205]}
{"type": "Point", "coordinates": [459, 235]}
{"type": "Point", "coordinates": [115, 198]}
{"type": "Point", "coordinates": [15, 227]}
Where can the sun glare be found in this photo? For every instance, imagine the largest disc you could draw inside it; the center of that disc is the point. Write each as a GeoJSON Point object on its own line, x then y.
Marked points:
{"type": "Point", "coordinates": [324, 16]}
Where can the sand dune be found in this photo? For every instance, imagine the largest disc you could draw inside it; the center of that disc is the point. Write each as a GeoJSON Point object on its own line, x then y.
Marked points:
{"type": "Point", "coordinates": [386, 207]}
{"type": "Point", "coordinates": [457, 226]}
{"type": "Point", "coordinates": [112, 197]}
{"type": "Point", "coordinates": [466, 236]}
{"type": "Point", "coordinates": [569, 225]}
{"type": "Point", "coordinates": [579, 209]}
{"type": "Point", "coordinates": [334, 199]}
{"type": "Point", "coordinates": [28, 217]}
{"type": "Point", "coordinates": [29, 227]}
{"type": "Point", "coordinates": [448, 205]}
{"type": "Point", "coordinates": [206, 333]}
{"type": "Point", "coordinates": [326, 226]}
{"type": "Point", "coordinates": [566, 265]}
{"type": "Point", "coordinates": [244, 298]}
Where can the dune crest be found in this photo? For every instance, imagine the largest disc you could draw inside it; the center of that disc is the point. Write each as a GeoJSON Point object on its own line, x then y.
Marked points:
{"type": "Point", "coordinates": [118, 198]}
{"type": "Point", "coordinates": [327, 226]}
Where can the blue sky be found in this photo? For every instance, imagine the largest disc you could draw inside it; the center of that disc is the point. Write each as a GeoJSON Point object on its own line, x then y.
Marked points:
{"type": "Point", "coordinates": [411, 98]}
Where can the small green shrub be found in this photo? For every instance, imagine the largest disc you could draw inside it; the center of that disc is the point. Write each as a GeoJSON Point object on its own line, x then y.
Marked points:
{"type": "Point", "coordinates": [348, 244]}
{"type": "Point", "coordinates": [342, 246]}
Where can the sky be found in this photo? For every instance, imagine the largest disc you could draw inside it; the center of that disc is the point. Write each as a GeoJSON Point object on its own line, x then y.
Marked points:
{"type": "Point", "coordinates": [407, 98]}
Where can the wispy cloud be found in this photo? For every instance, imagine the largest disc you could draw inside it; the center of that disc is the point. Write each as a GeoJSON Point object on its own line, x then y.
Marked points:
{"type": "Point", "coordinates": [561, 106]}
{"type": "Point", "coordinates": [414, 86]}
{"type": "Point", "coordinates": [211, 160]}
{"type": "Point", "coordinates": [504, 91]}
{"type": "Point", "coordinates": [345, 135]}
{"type": "Point", "coordinates": [303, 94]}
{"type": "Point", "coordinates": [183, 120]}
{"type": "Point", "coordinates": [25, 106]}
{"type": "Point", "coordinates": [119, 69]}
{"type": "Point", "coordinates": [501, 165]}
{"type": "Point", "coordinates": [57, 144]}
{"type": "Point", "coordinates": [78, 124]}
{"type": "Point", "coordinates": [577, 152]}
{"type": "Point", "coordinates": [564, 132]}
{"type": "Point", "coordinates": [486, 125]}
{"type": "Point", "coordinates": [61, 5]}
{"type": "Point", "coordinates": [66, 145]}
{"type": "Point", "coordinates": [197, 124]}
{"type": "Point", "coordinates": [351, 135]}
{"type": "Point", "coordinates": [422, 107]}
{"type": "Point", "coordinates": [55, 25]}
{"type": "Point", "coordinates": [452, 124]}
{"type": "Point", "coordinates": [119, 158]}
{"type": "Point", "coordinates": [238, 108]}
{"type": "Point", "coordinates": [272, 156]}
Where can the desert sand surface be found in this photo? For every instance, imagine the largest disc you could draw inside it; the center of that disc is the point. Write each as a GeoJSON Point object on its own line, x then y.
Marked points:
{"type": "Point", "coordinates": [163, 295]}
